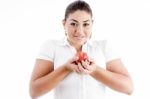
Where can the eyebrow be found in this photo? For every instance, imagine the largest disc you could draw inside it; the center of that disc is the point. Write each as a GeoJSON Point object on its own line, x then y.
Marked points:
{"type": "Point", "coordinates": [77, 21]}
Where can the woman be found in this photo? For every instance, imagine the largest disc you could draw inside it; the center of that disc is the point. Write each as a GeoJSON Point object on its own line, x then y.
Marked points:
{"type": "Point", "coordinates": [57, 67]}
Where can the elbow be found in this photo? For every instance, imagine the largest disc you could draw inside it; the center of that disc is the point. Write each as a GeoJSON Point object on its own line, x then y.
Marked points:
{"type": "Point", "coordinates": [33, 92]}
{"type": "Point", "coordinates": [126, 87]}
{"type": "Point", "coordinates": [33, 95]}
{"type": "Point", "coordinates": [129, 92]}
{"type": "Point", "coordinates": [129, 88]}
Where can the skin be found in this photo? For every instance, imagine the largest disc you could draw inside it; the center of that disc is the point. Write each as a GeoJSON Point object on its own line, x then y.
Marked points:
{"type": "Point", "coordinates": [78, 28]}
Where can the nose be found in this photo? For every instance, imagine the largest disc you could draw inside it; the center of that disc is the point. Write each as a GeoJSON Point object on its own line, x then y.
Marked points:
{"type": "Point", "coordinates": [80, 30]}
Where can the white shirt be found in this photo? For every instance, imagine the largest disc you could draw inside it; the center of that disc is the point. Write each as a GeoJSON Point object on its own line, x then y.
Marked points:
{"type": "Point", "coordinates": [75, 86]}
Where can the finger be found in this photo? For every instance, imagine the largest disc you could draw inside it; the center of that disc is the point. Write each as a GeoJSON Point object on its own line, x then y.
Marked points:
{"type": "Point", "coordinates": [75, 69]}
{"type": "Point", "coordinates": [92, 61]}
{"type": "Point", "coordinates": [86, 71]}
{"type": "Point", "coordinates": [84, 64]}
{"type": "Point", "coordinates": [78, 71]}
{"type": "Point", "coordinates": [80, 67]}
{"type": "Point", "coordinates": [74, 59]}
{"type": "Point", "coordinates": [87, 61]}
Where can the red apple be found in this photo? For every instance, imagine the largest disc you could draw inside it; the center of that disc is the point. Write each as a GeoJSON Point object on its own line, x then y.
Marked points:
{"type": "Point", "coordinates": [82, 56]}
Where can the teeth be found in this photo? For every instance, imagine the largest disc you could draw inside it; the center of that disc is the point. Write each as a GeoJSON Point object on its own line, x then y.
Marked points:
{"type": "Point", "coordinates": [79, 37]}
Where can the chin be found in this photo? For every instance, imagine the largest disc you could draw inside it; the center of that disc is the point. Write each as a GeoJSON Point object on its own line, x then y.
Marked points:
{"type": "Point", "coordinates": [80, 42]}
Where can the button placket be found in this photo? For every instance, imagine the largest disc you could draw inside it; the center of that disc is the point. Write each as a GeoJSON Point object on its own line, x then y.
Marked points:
{"type": "Point", "coordinates": [82, 86]}
{"type": "Point", "coordinates": [83, 77]}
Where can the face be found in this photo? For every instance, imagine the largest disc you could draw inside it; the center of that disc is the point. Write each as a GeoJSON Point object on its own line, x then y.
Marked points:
{"type": "Point", "coordinates": [78, 27]}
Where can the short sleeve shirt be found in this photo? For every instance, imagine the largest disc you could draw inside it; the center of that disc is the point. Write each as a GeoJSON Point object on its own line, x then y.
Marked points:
{"type": "Point", "coordinates": [76, 86]}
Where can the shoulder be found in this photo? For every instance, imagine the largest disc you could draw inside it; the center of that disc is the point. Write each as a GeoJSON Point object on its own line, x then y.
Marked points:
{"type": "Point", "coordinates": [98, 43]}
{"type": "Point", "coordinates": [51, 43]}
{"type": "Point", "coordinates": [104, 45]}
{"type": "Point", "coordinates": [47, 49]}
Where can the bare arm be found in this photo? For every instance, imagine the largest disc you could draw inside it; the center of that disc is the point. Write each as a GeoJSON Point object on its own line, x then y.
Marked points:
{"type": "Point", "coordinates": [115, 76]}
{"type": "Point", "coordinates": [44, 77]}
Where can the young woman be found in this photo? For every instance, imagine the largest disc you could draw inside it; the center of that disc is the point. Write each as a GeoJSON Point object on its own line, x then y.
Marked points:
{"type": "Point", "coordinates": [57, 67]}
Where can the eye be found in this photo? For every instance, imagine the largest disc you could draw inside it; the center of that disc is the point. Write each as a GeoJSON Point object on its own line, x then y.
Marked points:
{"type": "Point", "coordinates": [73, 24]}
{"type": "Point", "coordinates": [85, 24]}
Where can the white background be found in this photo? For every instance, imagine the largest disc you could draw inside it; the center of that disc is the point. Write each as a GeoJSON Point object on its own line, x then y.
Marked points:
{"type": "Point", "coordinates": [26, 24]}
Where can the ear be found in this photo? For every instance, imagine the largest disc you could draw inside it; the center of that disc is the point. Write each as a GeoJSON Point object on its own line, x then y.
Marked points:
{"type": "Point", "coordinates": [92, 20]}
{"type": "Point", "coordinates": [91, 36]}
{"type": "Point", "coordinates": [63, 22]}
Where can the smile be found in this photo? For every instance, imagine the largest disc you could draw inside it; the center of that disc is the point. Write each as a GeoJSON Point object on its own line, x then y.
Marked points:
{"type": "Point", "coordinates": [79, 37]}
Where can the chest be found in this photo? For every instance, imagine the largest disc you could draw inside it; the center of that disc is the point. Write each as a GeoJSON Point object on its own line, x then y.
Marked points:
{"type": "Point", "coordinates": [63, 54]}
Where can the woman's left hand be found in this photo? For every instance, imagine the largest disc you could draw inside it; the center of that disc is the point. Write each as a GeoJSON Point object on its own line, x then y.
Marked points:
{"type": "Point", "coordinates": [87, 67]}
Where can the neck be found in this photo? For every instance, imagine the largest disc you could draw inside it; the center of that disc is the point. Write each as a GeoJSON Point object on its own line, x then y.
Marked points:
{"type": "Point", "coordinates": [78, 48]}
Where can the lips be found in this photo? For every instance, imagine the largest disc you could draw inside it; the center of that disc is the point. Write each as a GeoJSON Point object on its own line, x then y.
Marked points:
{"type": "Point", "coordinates": [79, 37]}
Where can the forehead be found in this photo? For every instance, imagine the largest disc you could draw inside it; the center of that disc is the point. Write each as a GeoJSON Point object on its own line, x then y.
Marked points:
{"type": "Point", "coordinates": [79, 15]}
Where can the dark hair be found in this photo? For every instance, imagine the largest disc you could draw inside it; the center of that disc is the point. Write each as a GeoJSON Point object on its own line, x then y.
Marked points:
{"type": "Point", "coordinates": [77, 5]}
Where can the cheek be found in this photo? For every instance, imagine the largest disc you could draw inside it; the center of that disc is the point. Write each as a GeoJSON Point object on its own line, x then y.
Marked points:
{"type": "Point", "coordinates": [88, 33]}
{"type": "Point", "coordinates": [70, 32]}
{"type": "Point", "coordinates": [88, 29]}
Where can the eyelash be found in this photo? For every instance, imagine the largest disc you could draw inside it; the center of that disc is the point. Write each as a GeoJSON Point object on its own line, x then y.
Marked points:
{"type": "Point", "coordinates": [74, 24]}
{"type": "Point", "coordinates": [86, 24]}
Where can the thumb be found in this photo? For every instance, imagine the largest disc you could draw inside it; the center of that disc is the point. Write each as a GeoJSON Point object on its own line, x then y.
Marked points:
{"type": "Point", "coordinates": [92, 61]}
{"type": "Point", "coordinates": [75, 58]}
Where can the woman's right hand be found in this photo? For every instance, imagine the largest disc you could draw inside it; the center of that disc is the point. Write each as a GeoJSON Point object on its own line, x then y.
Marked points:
{"type": "Point", "coordinates": [71, 66]}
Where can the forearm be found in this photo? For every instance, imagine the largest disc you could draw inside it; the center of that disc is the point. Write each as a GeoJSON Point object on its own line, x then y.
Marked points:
{"type": "Point", "coordinates": [48, 82]}
{"type": "Point", "coordinates": [118, 82]}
